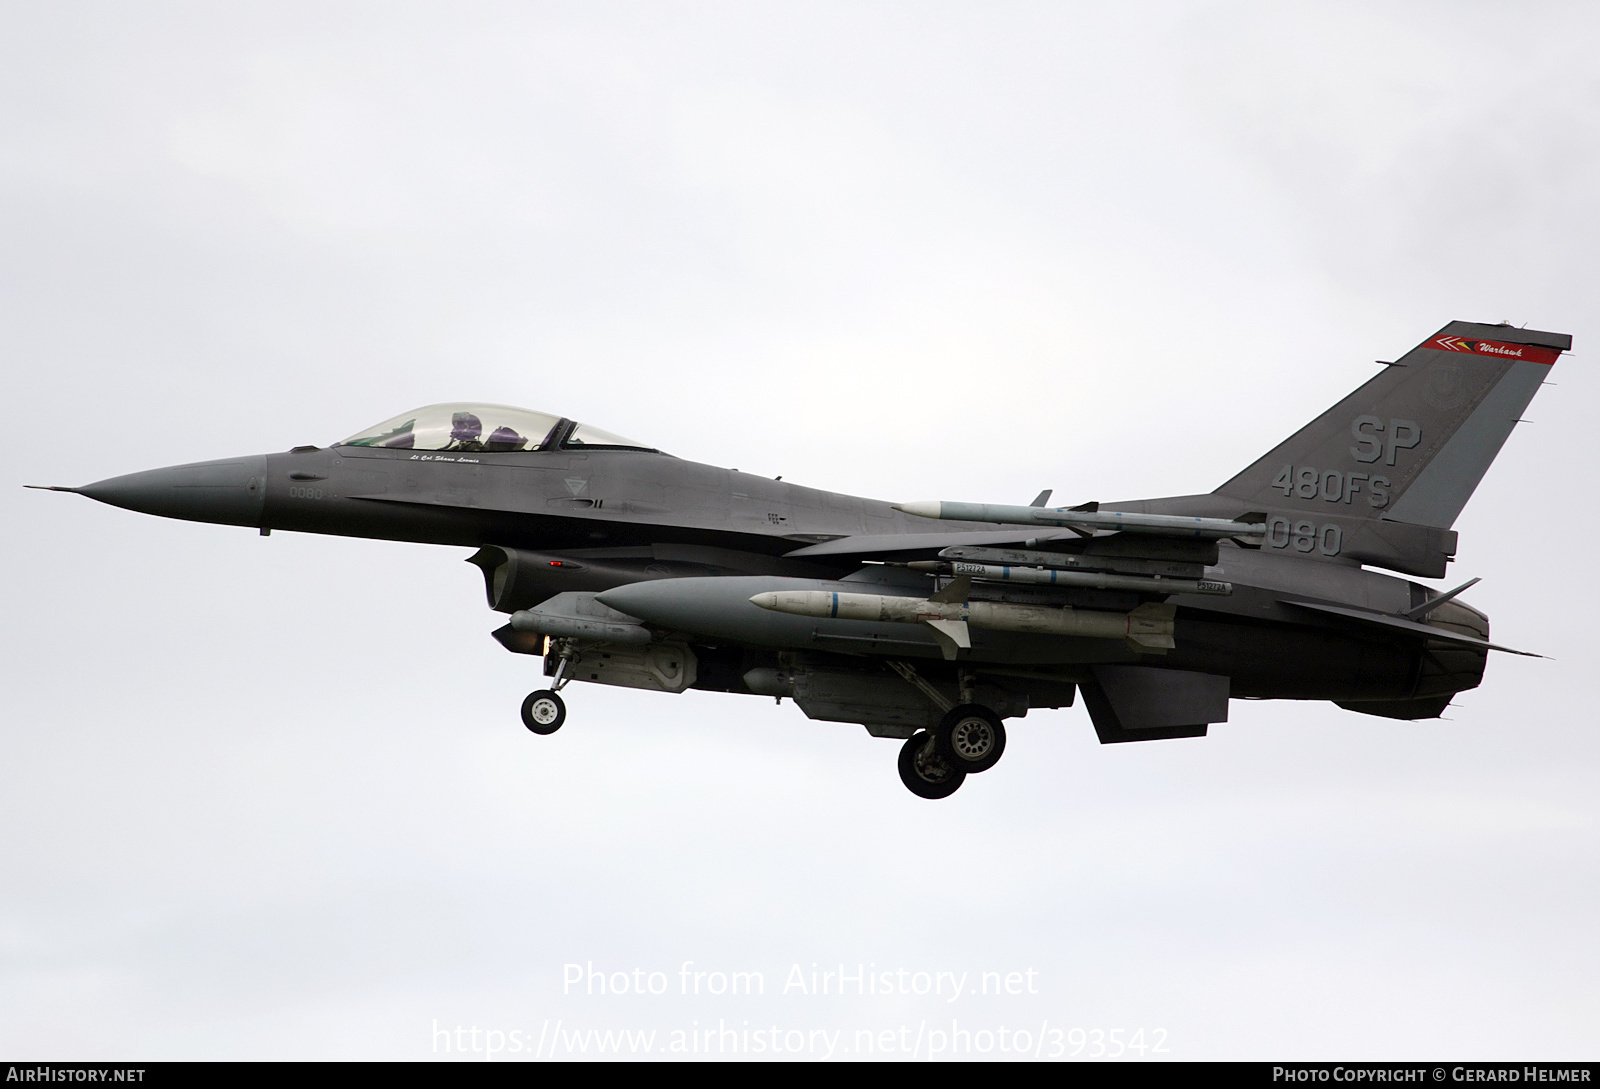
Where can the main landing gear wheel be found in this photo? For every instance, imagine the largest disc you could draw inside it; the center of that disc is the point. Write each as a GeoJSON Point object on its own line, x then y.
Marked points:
{"type": "Point", "coordinates": [971, 738]}
{"type": "Point", "coordinates": [543, 712]}
{"type": "Point", "coordinates": [924, 772]}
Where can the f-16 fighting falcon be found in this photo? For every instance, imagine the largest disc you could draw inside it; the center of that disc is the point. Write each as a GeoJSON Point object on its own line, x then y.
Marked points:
{"type": "Point", "coordinates": [935, 622]}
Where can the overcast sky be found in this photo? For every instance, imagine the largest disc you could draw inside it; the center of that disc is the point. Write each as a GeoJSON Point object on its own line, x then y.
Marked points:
{"type": "Point", "coordinates": [270, 797]}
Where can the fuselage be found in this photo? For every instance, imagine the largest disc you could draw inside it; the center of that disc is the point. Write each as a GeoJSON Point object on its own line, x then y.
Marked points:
{"type": "Point", "coordinates": [618, 515]}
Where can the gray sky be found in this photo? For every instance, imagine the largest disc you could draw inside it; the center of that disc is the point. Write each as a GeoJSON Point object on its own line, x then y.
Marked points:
{"type": "Point", "coordinates": [270, 797]}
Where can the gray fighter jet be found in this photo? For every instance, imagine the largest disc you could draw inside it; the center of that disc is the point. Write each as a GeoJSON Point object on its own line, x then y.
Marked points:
{"type": "Point", "coordinates": [934, 622]}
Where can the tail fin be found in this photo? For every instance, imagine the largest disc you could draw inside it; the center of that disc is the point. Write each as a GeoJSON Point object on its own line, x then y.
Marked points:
{"type": "Point", "coordinates": [1412, 443]}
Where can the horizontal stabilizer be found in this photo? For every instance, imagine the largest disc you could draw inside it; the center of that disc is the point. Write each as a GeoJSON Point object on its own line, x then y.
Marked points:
{"type": "Point", "coordinates": [1397, 623]}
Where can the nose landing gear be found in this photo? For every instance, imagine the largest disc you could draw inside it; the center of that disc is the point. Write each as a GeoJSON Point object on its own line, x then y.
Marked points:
{"type": "Point", "coordinates": [543, 711]}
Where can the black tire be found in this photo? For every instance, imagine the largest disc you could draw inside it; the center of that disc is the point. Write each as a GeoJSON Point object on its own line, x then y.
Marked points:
{"type": "Point", "coordinates": [971, 737]}
{"type": "Point", "coordinates": [924, 772]}
{"type": "Point", "coordinates": [543, 712]}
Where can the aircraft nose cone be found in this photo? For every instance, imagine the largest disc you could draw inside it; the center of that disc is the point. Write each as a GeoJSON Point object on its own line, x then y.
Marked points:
{"type": "Point", "coordinates": [231, 492]}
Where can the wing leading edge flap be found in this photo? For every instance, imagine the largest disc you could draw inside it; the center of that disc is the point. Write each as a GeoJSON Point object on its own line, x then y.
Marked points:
{"type": "Point", "coordinates": [1411, 626]}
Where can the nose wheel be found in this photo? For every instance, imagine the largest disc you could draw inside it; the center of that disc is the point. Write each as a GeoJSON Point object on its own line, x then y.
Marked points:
{"type": "Point", "coordinates": [543, 711]}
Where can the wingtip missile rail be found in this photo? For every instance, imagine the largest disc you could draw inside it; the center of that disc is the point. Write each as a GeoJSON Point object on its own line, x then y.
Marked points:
{"type": "Point", "coordinates": [1167, 525]}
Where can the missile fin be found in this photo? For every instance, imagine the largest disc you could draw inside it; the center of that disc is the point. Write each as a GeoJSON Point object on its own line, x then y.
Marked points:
{"type": "Point", "coordinates": [956, 592]}
{"type": "Point", "coordinates": [952, 636]}
{"type": "Point", "coordinates": [1150, 627]}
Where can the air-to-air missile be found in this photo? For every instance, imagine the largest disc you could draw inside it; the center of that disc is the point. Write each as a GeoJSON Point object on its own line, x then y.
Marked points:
{"type": "Point", "coordinates": [1163, 525]}
{"type": "Point", "coordinates": [1092, 580]}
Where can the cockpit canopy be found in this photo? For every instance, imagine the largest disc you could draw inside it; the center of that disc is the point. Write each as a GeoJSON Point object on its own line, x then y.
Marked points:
{"type": "Point", "coordinates": [467, 426]}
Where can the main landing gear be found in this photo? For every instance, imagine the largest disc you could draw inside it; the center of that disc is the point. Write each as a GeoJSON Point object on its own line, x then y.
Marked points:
{"type": "Point", "coordinates": [543, 711]}
{"type": "Point", "coordinates": [969, 739]}
{"type": "Point", "coordinates": [926, 773]}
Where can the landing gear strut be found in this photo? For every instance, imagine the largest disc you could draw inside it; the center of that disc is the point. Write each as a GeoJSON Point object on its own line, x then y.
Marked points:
{"type": "Point", "coordinates": [969, 738]}
{"type": "Point", "coordinates": [543, 711]}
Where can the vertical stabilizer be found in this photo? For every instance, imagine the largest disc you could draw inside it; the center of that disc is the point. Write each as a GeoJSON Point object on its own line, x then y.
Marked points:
{"type": "Point", "coordinates": [1412, 443]}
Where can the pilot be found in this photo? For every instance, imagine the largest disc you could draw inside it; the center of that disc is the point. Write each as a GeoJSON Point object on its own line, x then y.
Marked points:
{"type": "Point", "coordinates": [464, 431]}
{"type": "Point", "coordinates": [503, 439]}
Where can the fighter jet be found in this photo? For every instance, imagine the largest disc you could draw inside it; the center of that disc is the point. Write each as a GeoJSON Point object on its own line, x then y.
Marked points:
{"type": "Point", "coordinates": [935, 622]}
